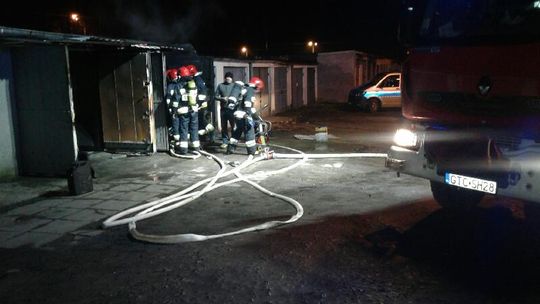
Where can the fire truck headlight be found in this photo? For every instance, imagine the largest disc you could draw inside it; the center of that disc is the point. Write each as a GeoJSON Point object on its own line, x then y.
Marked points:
{"type": "Point", "coordinates": [405, 138]}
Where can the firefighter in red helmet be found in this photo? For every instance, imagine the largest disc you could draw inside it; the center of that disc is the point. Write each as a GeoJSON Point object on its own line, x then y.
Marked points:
{"type": "Point", "coordinates": [188, 112]}
{"type": "Point", "coordinates": [172, 97]}
{"type": "Point", "coordinates": [206, 129]}
{"type": "Point", "coordinates": [244, 95]}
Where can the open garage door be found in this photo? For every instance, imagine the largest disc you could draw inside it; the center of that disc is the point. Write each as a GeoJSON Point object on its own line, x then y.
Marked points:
{"type": "Point", "coordinates": [126, 102]}
{"type": "Point", "coordinates": [263, 97]}
{"type": "Point", "coordinates": [47, 144]}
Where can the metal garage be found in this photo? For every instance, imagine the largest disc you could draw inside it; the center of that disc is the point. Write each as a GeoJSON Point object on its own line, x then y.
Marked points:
{"type": "Point", "coordinates": [69, 92]}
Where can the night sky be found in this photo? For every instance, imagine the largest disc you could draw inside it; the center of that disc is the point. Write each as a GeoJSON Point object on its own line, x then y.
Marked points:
{"type": "Point", "coordinates": [219, 28]}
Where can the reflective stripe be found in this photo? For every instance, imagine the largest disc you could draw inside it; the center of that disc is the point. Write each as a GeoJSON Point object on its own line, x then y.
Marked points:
{"type": "Point", "coordinates": [243, 91]}
{"type": "Point", "coordinates": [183, 110]}
{"type": "Point", "coordinates": [239, 114]}
{"type": "Point", "coordinates": [168, 100]}
{"type": "Point", "coordinates": [175, 104]}
{"type": "Point", "coordinates": [184, 97]}
{"type": "Point", "coordinates": [253, 110]}
{"type": "Point", "coordinates": [176, 137]}
{"type": "Point", "coordinates": [253, 98]}
{"type": "Point", "coordinates": [172, 92]}
{"type": "Point", "coordinates": [182, 91]}
{"type": "Point", "coordinates": [183, 144]}
{"type": "Point", "coordinates": [202, 97]}
{"type": "Point", "coordinates": [202, 132]}
{"type": "Point", "coordinates": [209, 127]}
{"type": "Point", "coordinates": [196, 144]}
{"type": "Point", "coordinates": [250, 143]}
{"type": "Point", "coordinates": [195, 108]}
{"type": "Point", "coordinates": [248, 104]}
{"type": "Point", "coordinates": [233, 141]}
{"type": "Point", "coordinates": [233, 99]}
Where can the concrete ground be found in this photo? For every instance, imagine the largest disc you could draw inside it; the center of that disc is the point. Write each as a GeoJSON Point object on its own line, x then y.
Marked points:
{"type": "Point", "coordinates": [37, 211]}
{"type": "Point", "coordinates": [366, 236]}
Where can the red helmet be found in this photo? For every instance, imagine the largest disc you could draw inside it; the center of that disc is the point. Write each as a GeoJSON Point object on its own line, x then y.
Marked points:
{"type": "Point", "coordinates": [184, 72]}
{"type": "Point", "coordinates": [192, 69]}
{"type": "Point", "coordinates": [257, 82]}
{"type": "Point", "coordinates": [172, 74]}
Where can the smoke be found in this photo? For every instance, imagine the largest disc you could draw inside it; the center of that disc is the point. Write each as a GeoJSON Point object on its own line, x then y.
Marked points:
{"type": "Point", "coordinates": [165, 21]}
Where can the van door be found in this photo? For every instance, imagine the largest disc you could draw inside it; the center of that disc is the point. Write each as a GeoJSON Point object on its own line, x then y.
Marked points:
{"type": "Point", "coordinates": [390, 93]}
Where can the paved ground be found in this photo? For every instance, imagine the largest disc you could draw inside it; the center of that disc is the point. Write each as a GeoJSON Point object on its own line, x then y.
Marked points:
{"type": "Point", "coordinates": [366, 235]}
{"type": "Point", "coordinates": [36, 211]}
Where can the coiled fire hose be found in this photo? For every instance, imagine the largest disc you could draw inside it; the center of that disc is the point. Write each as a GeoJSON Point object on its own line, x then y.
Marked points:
{"type": "Point", "coordinates": [132, 215]}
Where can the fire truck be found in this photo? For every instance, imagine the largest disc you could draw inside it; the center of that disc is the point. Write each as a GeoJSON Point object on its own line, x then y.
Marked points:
{"type": "Point", "coordinates": [471, 99]}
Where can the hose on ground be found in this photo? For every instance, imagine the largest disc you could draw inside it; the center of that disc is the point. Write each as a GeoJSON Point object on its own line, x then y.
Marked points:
{"type": "Point", "coordinates": [132, 215]}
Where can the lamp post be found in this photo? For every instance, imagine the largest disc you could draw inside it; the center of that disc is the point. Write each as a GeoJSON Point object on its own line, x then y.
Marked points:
{"type": "Point", "coordinates": [312, 45]}
{"type": "Point", "coordinates": [244, 50]}
{"type": "Point", "coordinates": [76, 20]}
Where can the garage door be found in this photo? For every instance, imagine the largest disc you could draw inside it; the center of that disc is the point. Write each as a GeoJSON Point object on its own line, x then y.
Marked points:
{"type": "Point", "coordinates": [47, 144]}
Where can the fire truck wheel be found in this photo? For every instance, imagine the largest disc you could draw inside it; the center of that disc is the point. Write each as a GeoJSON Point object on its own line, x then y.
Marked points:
{"type": "Point", "coordinates": [374, 105]}
{"type": "Point", "coordinates": [453, 197]}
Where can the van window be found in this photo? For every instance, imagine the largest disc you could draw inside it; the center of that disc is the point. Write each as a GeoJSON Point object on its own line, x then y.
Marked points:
{"type": "Point", "coordinates": [390, 82]}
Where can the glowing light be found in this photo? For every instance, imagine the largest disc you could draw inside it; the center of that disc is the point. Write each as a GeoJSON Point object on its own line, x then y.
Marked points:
{"type": "Point", "coordinates": [405, 138]}
{"type": "Point", "coordinates": [74, 17]}
{"type": "Point", "coordinates": [536, 4]}
{"type": "Point", "coordinates": [312, 45]}
{"type": "Point", "coordinates": [244, 50]}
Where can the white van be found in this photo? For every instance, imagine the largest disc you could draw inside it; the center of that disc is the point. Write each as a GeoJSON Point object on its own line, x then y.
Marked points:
{"type": "Point", "coordinates": [384, 91]}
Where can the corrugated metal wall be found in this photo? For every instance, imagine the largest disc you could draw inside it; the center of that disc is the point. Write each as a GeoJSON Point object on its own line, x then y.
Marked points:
{"type": "Point", "coordinates": [280, 89]}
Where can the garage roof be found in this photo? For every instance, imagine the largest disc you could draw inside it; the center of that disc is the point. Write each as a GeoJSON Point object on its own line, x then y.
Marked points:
{"type": "Point", "coordinates": [16, 36]}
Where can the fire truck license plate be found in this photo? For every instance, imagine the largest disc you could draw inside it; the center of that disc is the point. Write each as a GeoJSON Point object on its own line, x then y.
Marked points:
{"type": "Point", "coordinates": [471, 183]}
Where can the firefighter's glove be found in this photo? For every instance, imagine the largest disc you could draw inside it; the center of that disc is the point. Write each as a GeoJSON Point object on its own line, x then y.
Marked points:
{"type": "Point", "coordinates": [240, 114]}
{"type": "Point", "coordinates": [250, 121]}
{"type": "Point", "coordinates": [204, 105]}
{"type": "Point", "coordinates": [183, 110]}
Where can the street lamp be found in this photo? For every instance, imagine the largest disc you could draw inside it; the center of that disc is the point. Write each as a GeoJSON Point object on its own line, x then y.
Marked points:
{"type": "Point", "coordinates": [312, 45]}
{"type": "Point", "coordinates": [76, 20]}
{"type": "Point", "coordinates": [244, 51]}
{"type": "Point", "coordinates": [74, 17]}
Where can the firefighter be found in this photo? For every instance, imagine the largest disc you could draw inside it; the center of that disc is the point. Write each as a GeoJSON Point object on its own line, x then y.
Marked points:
{"type": "Point", "coordinates": [223, 92]}
{"type": "Point", "coordinates": [245, 94]}
{"type": "Point", "coordinates": [188, 112]}
{"type": "Point", "coordinates": [206, 128]}
{"type": "Point", "coordinates": [172, 97]}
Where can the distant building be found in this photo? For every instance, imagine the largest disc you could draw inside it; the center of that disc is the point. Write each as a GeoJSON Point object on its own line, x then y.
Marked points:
{"type": "Point", "coordinates": [339, 72]}
{"type": "Point", "coordinates": [289, 84]}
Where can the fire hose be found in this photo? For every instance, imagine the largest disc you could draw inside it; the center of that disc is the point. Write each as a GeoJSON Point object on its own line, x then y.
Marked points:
{"type": "Point", "coordinates": [132, 215]}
